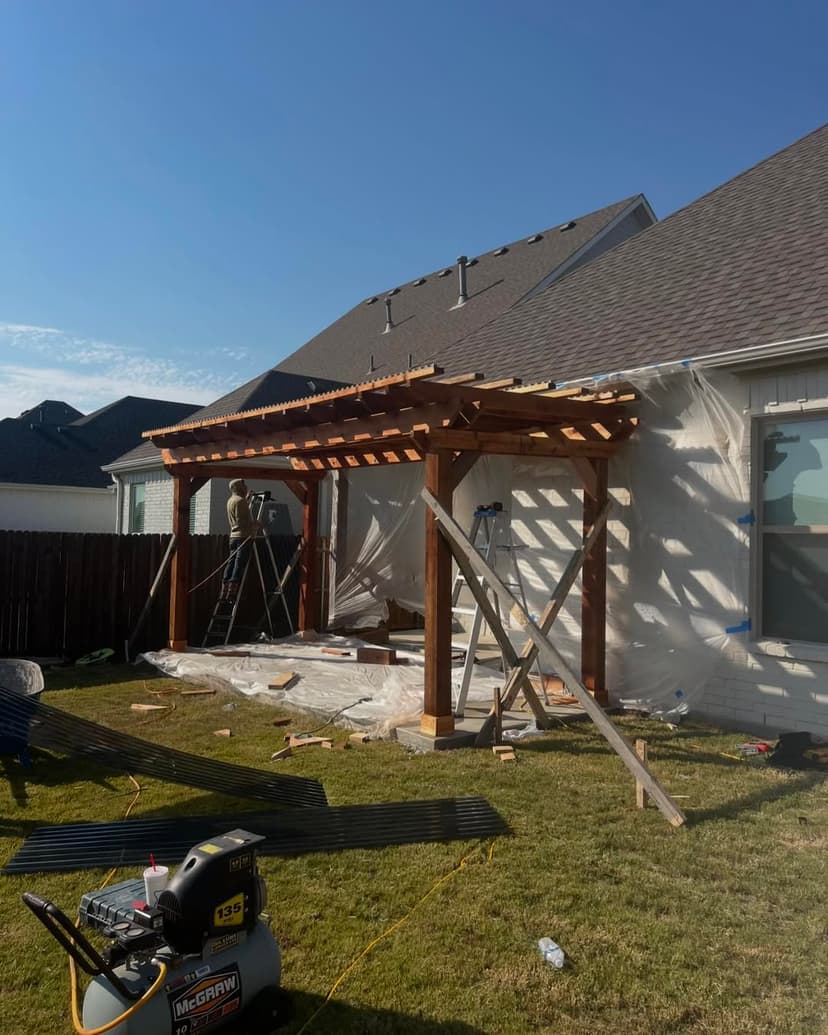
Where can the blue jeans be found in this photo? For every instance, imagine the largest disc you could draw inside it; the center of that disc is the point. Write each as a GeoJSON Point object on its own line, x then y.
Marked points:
{"type": "Point", "coordinates": [237, 561]}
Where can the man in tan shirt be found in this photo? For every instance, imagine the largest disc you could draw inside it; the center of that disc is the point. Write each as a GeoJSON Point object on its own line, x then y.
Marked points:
{"type": "Point", "coordinates": [243, 530]}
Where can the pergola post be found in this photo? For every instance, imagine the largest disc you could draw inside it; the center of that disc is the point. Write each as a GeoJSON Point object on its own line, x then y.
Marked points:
{"type": "Point", "coordinates": [309, 568]}
{"type": "Point", "coordinates": [438, 718]}
{"type": "Point", "coordinates": [180, 575]}
{"type": "Point", "coordinates": [594, 588]}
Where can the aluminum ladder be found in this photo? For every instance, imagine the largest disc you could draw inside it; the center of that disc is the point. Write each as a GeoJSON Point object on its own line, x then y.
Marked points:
{"type": "Point", "coordinates": [223, 618]}
{"type": "Point", "coordinates": [490, 531]}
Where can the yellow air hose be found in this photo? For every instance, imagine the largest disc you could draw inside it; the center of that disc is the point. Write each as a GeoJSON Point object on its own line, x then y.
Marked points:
{"type": "Point", "coordinates": [73, 972]}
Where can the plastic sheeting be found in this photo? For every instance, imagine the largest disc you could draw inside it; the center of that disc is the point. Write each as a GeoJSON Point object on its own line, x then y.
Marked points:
{"type": "Point", "coordinates": [677, 543]}
{"type": "Point", "coordinates": [325, 684]}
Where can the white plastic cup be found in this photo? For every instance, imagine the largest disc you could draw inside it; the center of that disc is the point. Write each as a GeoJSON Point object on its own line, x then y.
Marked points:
{"type": "Point", "coordinates": [155, 880]}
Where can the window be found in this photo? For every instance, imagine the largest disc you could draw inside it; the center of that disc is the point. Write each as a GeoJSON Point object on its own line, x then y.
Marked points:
{"type": "Point", "coordinates": [792, 522]}
{"type": "Point", "coordinates": [136, 507]}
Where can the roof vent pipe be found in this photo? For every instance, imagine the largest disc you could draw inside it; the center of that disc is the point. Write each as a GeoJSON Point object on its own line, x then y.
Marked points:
{"type": "Point", "coordinates": [463, 297]}
{"type": "Point", "coordinates": [389, 323]}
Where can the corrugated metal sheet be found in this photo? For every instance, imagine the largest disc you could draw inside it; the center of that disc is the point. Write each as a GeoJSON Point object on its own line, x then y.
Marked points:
{"type": "Point", "coordinates": [24, 719]}
{"type": "Point", "coordinates": [76, 846]}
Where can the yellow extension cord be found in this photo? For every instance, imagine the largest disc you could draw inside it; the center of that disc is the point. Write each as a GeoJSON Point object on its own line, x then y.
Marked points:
{"type": "Point", "coordinates": [162, 973]}
{"type": "Point", "coordinates": [389, 930]}
{"type": "Point", "coordinates": [73, 973]}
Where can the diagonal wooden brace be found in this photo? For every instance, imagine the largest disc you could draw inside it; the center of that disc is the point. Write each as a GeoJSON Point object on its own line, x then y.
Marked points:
{"type": "Point", "coordinates": [552, 610]}
{"type": "Point", "coordinates": [460, 546]}
{"type": "Point", "coordinates": [478, 591]}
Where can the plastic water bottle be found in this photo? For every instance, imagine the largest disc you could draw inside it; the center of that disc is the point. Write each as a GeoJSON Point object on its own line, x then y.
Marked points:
{"type": "Point", "coordinates": [552, 952]}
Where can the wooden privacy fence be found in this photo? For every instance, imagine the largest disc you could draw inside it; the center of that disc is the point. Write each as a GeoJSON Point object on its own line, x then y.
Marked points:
{"type": "Point", "coordinates": [65, 594]}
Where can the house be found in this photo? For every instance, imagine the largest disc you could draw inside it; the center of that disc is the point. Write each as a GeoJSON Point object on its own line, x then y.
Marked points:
{"type": "Point", "coordinates": [51, 457]}
{"type": "Point", "coordinates": [718, 570]}
{"type": "Point", "coordinates": [713, 324]}
{"type": "Point", "coordinates": [424, 315]}
{"type": "Point", "coordinates": [144, 490]}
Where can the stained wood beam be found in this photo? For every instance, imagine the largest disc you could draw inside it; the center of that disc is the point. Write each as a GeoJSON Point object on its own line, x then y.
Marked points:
{"type": "Point", "coordinates": [263, 473]}
{"type": "Point", "coordinates": [504, 443]}
{"type": "Point", "coordinates": [461, 465]}
{"type": "Point", "coordinates": [594, 589]}
{"type": "Point", "coordinates": [180, 573]}
{"type": "Point", "coordinates": [309, 568]}
{"type": "Point", "coordinates": [362, 432]}
{"type": "Point", "coordinates": [438, 717]}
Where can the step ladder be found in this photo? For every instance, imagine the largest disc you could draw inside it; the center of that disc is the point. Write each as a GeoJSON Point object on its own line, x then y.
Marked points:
{"type": "Point", "coordinates": [490, 532]}
{"type": "Point", "coordinates": [223, 619]}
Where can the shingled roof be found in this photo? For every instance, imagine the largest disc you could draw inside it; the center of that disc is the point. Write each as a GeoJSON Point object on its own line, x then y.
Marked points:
{"type": "Point", "coordinates": [424, 311]}
{"type": "Point", "coordinates": [745, 265]}
{"type": "Point", "coordinates": [40, 453]}
{"type": "Point", "coordinates": [272, 386]}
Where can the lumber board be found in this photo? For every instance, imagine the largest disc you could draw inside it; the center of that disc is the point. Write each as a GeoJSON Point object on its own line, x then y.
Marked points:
{"type": "Point", "coordinates": [462, 547]}
{"type": "Point", "coordinates": [281, 681]}
{"type": "Point", "coordinates": [197, 693]}
{"type": "Point", "coordinates": [149, 707]}
{"type": "Point", "coordinates": [377, 655]}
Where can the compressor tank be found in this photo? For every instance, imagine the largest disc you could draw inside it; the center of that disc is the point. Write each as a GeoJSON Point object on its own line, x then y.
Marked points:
{"type": "Point", "coordinates": [201, 994]}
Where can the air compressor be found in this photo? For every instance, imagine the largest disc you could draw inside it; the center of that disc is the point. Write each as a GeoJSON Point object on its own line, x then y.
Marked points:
{"type": "Point", "coordinates": [200, 959]}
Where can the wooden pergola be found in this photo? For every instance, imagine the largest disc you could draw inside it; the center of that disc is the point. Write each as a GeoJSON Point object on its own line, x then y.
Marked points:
{"type": "Point", "coordinates": [418, 416]}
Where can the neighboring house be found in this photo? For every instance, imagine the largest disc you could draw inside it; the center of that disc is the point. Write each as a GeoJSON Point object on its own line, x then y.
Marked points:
{"type": "Point", "coordinates": [144, 490]}
{"type": "Point", "coordinates": [51, 458]}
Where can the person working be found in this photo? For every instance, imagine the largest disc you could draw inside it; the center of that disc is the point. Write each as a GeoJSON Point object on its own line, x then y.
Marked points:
{"type": "Point", "coordinates": [243, 530]}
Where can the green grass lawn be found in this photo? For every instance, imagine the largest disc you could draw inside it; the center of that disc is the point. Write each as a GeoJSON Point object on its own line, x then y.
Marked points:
{"type": "Point", "coordinates": [718, 927]}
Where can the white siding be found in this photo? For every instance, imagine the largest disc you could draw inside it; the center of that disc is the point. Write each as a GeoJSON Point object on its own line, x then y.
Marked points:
{"type": "Point", "coordinates": [48, 508]}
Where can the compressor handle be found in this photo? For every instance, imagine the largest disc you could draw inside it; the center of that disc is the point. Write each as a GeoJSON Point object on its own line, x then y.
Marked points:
{"type": "Point", "coordinates": [66, 934]}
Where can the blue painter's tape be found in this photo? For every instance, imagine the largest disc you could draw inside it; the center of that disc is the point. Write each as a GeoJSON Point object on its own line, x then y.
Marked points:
{"type": "Point", "coordinates": [686, 362]}
{"type": "Point", "coordinates": [746, 519]}
{"type": "Point", "coordinates": [743, 628]}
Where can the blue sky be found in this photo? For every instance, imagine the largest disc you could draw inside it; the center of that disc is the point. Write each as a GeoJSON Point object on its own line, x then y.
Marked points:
{"type": "Point", "coordinates": [191, 190]}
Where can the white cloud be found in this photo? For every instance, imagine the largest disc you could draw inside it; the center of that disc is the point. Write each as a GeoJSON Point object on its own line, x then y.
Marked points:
{"type": "Point", "coordinates": [39, 363]}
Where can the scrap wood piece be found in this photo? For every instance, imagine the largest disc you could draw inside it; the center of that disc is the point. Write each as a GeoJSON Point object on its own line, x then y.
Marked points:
{"type": "Point", "coordinates": [359, 738]}
{"type": "Point", "coordinates": [25, 719]}
{"type": "Point", "coordinates": [223, 733]}
{"type": "Point", "coordinates": [197, 693]}
{"type": "Point", "coordinates": [281, 722]}
{"type": "Point", "coordinates": [287, 832]}
{"type": "Point", "coordinates": [337, 651]}
{"type": "Point", "coordinates": [282, 681]}
{"type": "Point", "coordinates": [461, 547]}
{"type": "Point", "coordinates": [342, 745]}
{"type": "Point", "coordinates": [377, 655]}
{"type": "Point", "coordinates": [284, 753]}
{"type": "Point", "coordinates": [504, 752]}
{"type": "Point", "coordinates": [303, 742]}
{"type": "Point", "coordinates": [149, 707]}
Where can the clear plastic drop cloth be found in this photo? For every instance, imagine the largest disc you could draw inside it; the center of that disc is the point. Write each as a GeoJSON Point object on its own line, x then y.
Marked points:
{"type": "Point", "coordinates": [324, 683]}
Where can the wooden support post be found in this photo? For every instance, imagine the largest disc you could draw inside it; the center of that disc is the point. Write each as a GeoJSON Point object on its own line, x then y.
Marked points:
{"type": "Point", "coordinates": [309, 570]}
{"type": "Point", "coordinates": [641, 796]}
{"type": "Point", "coordinates": [180, 579]}
{"type": "Point", "coordinates": [339, 537]}
{"type": "Point", "coordinates": [497, 712]}
{"type": "Point", "coordinates": [438, 717]}
{"type": "Point", "coordinates": [594, 590]}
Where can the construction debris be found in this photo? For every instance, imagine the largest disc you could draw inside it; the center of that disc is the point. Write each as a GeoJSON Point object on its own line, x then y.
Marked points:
{"type": "Point", "coordinates": [377, 655]}
{"type": "Point", "coordinates": [337, 651]}
{"type": "Point", "coordinates": [281, 722]}
{"type": "Point", "coordinates": [359, 738]}
{"type": "Point", "coordinates": [303, 742]}
{"type": "Point", "coordinates": [282, 681]}
{"type": "Point", "coordinates": [197, 693]}
{"type": "Point", "coordinates": [504, 752]}
{"type": "Point", "coordinates": [223, 733]}
{"type": "Point", "coordinates": [149, 707]}
{"type": "Point", "coordinates": [284, 753]}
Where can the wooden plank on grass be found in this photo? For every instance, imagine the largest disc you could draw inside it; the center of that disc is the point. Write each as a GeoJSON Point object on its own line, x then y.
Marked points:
{"type": "Point", "coordinates": [641, 796]}
{"type": "Point", "coordinates": [461, 547]}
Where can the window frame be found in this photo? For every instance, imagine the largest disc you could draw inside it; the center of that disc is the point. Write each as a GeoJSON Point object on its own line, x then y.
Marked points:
{"type": "Point", "coordinates": [768, 642]}
{"type": "Point", "coordinates": [133, 502]}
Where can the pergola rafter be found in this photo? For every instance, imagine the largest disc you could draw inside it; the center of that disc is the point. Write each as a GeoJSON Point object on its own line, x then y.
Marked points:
{"type": "Point", "coordinates": [417, 416]}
